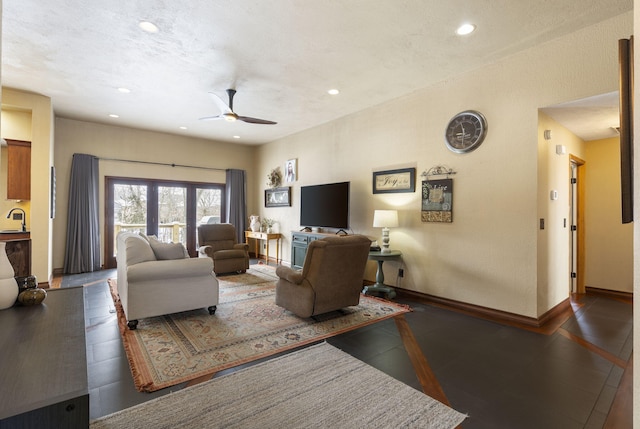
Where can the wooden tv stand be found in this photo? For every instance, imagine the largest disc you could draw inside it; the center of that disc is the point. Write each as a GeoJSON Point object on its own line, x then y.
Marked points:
{"type": "Point", "coordinates": [300, 241]}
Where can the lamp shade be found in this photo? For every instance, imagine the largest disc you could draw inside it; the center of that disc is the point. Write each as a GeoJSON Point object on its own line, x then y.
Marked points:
{"type": "Point", "coordinates": [385, 218]}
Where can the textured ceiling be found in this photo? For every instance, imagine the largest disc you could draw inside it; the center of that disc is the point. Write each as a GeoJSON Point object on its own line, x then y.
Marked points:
{"type": "Point", "coordinates": [282, 55]}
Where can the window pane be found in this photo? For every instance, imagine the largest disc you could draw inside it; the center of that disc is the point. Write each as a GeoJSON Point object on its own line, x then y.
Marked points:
{"type": "Point", "coordinates": [208, 205]}
{"type": "Point", "coordinates": [129, 209]}
{"type": "Point", "coordinates": [172, 214]}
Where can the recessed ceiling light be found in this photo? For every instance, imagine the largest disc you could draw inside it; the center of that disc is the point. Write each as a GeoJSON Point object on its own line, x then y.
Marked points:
{"type": "Point", "coordinates": [236, 137]}
{"type": "Point", "coordinates": [124, 90]}
{"type": "Point", "coordinates": [333, 91]}
{"type": "Point", "coordinates": [183, 127]}
{"type": "Point", "coordinates": [113, 115]}
{"type": "Point", "coordinates": [465, 29]}
{"type": "Point", "coordinates": [149, 27]}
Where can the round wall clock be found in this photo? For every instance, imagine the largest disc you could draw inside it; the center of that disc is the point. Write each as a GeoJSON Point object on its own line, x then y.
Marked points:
{"type": "Point", "coordinates": [465, 131]}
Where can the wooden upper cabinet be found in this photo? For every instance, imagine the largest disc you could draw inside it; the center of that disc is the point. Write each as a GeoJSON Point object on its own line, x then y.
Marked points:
{"type": "Point", "coordinates": [19, 170]}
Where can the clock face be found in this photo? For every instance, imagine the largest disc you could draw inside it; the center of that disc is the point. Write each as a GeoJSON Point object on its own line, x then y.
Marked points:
{"type": "Point", "coordinates": [465, 131]}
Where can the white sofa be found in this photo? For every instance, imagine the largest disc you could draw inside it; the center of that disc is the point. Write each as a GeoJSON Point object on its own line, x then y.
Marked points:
{"type": "Point", "coordinates": [157, 278]}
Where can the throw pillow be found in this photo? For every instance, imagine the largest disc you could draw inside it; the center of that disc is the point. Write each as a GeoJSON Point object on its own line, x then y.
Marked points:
{"type": "Point", "coordinates": [164, 251]}
{"type": "Point", "coordinates": [138, 250]}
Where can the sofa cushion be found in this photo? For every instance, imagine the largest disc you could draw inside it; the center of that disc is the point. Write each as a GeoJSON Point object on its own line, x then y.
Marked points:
{"type": "Point", "coordinates": [165, 251]}
{"type": "Point", "coordinates": [138, 250]}
{"type": "Point", "coordinates": [180, 269]}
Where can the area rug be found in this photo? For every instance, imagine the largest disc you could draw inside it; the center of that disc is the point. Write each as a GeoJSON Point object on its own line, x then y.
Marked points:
{"type": "Point", "coordinates": [168, 350]}
{"type": "Point", "coordinates": [316, 387]}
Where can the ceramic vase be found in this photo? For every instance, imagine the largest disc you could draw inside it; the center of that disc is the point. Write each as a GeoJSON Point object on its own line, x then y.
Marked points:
{"type": "Point", "coordinates": [255, 223]}
{"type": "Point", "coordinates": [8, 284]}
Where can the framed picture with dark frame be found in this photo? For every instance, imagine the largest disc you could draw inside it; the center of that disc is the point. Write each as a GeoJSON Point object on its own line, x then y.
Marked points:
{"type": "Point", "coordinates": [392, 181]}
{"type": "Point", "coordinates": [277, 197]}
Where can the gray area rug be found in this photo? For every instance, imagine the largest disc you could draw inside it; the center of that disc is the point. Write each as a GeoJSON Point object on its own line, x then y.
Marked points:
{"type": "Point", "coordinates": [317, 387]}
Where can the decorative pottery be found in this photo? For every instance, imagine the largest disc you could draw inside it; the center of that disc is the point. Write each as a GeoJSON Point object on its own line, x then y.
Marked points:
{"type": "Point", "coordinates": [255, 223]}
{"type": "Point", "coordinates": [32, 296]}
{"type": "Point", "coordinates": [8, 284]}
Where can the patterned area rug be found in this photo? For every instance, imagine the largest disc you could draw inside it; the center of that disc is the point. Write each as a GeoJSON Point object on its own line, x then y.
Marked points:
{"type": "Point", "coordinates": [168, 350]}
{"type": "Point", "coordinates": [317, 387]}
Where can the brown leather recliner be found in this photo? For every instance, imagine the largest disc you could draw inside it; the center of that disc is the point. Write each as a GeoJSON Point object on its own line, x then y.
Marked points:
{"type": "Point", "coordinates": [218, 241]}
{"type": "Point", "coordinates": [331, 277]}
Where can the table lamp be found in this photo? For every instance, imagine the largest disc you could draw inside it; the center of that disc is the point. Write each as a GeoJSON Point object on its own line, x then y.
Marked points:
{"type": "Point", "coordinates": [385, 219]}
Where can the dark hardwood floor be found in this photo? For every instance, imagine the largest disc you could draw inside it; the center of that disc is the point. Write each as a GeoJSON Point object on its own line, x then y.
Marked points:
{"type": "Point", "coordinates": [576, 375]}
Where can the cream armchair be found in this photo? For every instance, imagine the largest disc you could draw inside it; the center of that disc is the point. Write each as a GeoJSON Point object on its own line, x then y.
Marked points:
{"type": "Point", "coordinates": [331, 277]}
{"type": "Point", "coordinates": [218, 241]}
{"type": "Point", "coordinates": [157, 278]}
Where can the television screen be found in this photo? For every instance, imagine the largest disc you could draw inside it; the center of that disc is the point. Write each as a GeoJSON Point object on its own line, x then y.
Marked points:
{"type": "Point", "coordinates": [325, 205]}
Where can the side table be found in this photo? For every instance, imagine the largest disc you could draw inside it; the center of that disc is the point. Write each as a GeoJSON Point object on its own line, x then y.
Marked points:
{"type": "Point", "coordinates": [379, 287]}
{"type": "Point", "coordinates": [267, 236]}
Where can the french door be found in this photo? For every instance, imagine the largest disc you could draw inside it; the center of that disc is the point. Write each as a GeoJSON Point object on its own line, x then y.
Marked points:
{"type": "Point", "coordinates": [167, 209]}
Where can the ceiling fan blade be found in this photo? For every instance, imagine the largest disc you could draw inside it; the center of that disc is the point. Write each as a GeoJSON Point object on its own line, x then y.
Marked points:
{"type": "Point", "coordinates": [211, 118]}
{"type": "Point", "coordinates": [220, 103]}
{"type": "Point", "coordinates": [255, 120]}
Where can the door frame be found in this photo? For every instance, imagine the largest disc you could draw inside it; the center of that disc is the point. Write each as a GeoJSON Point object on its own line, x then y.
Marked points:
{"type": "Point", "coordinates": [109, 181]}
{"type": "Point", "coordinates": [580, 223]}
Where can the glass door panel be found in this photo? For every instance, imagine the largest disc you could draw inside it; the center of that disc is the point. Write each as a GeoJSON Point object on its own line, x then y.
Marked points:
{"type": "Point", "coordinates": [170, 210]}
{"type": "Point", "coordinates": [208, 205]}
{"type": "Point", "coordinates": [172, 214]}
{"type": "Point", "coordinates": [129, 209]}
{"type": "Point", "coordinates": [209, 208]}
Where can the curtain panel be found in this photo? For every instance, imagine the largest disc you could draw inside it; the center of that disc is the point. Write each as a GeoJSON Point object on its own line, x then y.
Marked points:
{"type": "Point", "coordinates": [236, 201]}
{"type": "Point", "coordinates": [83, 234]}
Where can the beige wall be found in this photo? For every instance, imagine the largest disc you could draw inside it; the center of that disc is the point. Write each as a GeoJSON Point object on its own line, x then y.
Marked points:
{"type": "Point", "coordinates": [41, 137]}
{"type": "Point", "coordinates": [488, 255]}
{"type": "Point", "coordinates": [609, 249]}
{"type": "Point", "coordinates": [109, 141]}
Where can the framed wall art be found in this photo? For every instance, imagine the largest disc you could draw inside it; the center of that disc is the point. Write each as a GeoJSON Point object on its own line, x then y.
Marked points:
{"type": "Point", "coordinates": [437, 200]}
{"type": "Point", "coordinates": [392, 181]}
{"type": "Point", "coordinates": [291, 170]}
{"type": "Point", "coordinates": [277, 197]}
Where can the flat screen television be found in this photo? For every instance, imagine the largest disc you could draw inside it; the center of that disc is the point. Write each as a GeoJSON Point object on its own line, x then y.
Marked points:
{"type": "Point", "coordinates": [325, 206]}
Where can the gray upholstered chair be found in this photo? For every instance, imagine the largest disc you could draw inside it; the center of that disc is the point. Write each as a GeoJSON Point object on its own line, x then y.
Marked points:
{"type": "Point", "coordinates": [331, 277]}
{"type": "Point", "coordinates": [218, 241]}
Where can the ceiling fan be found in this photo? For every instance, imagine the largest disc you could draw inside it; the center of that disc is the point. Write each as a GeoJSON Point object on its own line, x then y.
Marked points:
{"type": "Point", "coordinates": [229, 115]}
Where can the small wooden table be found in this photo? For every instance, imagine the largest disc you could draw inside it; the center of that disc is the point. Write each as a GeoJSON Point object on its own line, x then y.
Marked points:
{"type": "Point", "coordinates": [267, 236]}
{"type": "Point", "coordinates": [380, 287]}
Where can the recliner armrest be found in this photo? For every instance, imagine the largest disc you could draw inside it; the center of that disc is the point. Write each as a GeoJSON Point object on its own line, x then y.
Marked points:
{"type": "Point", "coordinates": [241, 246]}
{"type": "Point", "coordinates": [289, 274]}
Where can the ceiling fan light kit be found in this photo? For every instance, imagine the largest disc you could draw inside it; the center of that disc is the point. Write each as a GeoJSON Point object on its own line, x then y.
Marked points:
{"type": "Point", "coordinates": [229, 115]}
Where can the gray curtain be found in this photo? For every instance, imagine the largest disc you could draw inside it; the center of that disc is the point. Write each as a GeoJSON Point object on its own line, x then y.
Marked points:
{"type": "Point", "coordinates": [236, 201]}
{"type": "Point", "coordinates": [83, 235]}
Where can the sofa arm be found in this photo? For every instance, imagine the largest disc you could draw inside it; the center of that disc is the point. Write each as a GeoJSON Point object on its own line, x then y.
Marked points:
{"type": "Point", "coordinates": [289, 274]}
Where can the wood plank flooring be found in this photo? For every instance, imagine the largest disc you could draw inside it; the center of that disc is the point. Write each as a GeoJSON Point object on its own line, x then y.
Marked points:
{"type": "Point", "coordinates": [575, 375]}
